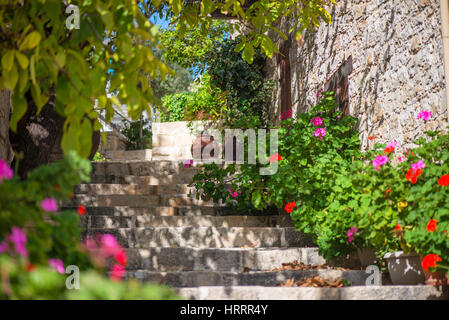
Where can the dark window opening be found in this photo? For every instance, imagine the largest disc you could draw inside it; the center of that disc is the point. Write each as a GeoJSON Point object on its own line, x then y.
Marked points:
{"type": "Point", "coordinates": [339, 84]}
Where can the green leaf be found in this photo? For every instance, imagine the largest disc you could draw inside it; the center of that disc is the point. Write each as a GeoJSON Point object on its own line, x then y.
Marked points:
{"type": "Point", "coordinates": [8, 60]}
{"type": "Point", "coordinates": [30, 41]}
{"type": "Point", "coordinates": [19, 107]}
{"type": "Point", "coordinates": [23, 60]}
{"type": "Point", "coordinates": [11, 77]}
{"type": "Point", "coordinates": [248, 53]}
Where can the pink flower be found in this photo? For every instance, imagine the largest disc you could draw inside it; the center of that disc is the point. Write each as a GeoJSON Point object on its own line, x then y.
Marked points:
{"type": "Point", "coordinates": [425, 115]}
{"type": "Point", "coordinates": [117, 272]}
{"type": "Point", "coordinates": [109, 245]}
{"type": "Point", "coordinates": [49, 205]}
{"type": "Point", "coordinates": [286, 114]}
{"type": "Point", "coordinates": [233, 193]}
{"type": "Point", "coordinates": [3, 247]}
{"type": "Point", "coordinates": [320, 132]}
{"type": "Point", "coordinates": [318, 93]}
{"type": "Point", "coordinates": [401, 158]}
{"type": "Point", "coordinates": [418, 165]}
{"type": "Point", "coordinates": [57, 264]}
{"type": "Point", "coordinates": [380, 161]}
{"type": "Point", "coordinates": [188, 163]}
{"type": "Point", "coordinates": [351, 233]}
{"type": "Point", "coordinates": [19, 238]}
{"type": "Point", "coordinates": [5, 171]}
{"type": "Point", "coordinates": [316, 121]}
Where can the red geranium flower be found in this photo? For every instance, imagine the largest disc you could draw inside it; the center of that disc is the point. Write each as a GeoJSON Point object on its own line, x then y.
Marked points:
{"type": "Point", "coordinates": [275, 157]}
{"type": "Point", "coordinates": [387, 192]}
{"type": "Point", "coordinates": [398, 227]}
{"type": "Point", "coordinates": [412, 175]}
{"type": "Point", "coordinates": [121, 257]}
{"type": "Point", "coordinates": [444, 180]}
{"type": "Point", "coordinates": [430, 261]}
{"type": "Point", "coordinates": [30, 267]}
{"type": "Point", "coordinates": [289, 207]}
{"type": "Point", "coordinates": [81, 210]}
{"type": "Point", "coordinates": [432, 225]}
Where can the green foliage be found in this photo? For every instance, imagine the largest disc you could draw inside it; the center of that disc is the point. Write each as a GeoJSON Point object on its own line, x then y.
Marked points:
{"type": "Point", "coordinates": [98, 157]}
{"type": "Point", "coordinates": [304, 173]}
{"type": "Point", "coordinates": [247, 91]}
{"type": "Point", "coordinates": [39, 54]}
{"type": "Point", "coordinates": [172, 83]}
{"type": "Point", "coordinates": [138, 134]}
{"type": "Point", "coordinates": [428, 200]}
{"type": "Point", "coordinates": [192, 47]}
{"type": "Point", "coordinates": [43, 283]}
{"type": "Point", "coordinates": [50, 235]}
{"type": "Point", "coordinates": [203, 102]}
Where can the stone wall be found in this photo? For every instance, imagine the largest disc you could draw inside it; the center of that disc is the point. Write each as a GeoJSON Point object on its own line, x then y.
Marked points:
{"type": "Point", "coordinates": [6, 152]}
{"type": "Point", "coordinates": [397, 58]}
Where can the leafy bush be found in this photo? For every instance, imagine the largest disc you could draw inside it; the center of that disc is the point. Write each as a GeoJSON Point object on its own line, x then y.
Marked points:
{"type": "Point", "coordinates": [204, 103]}
{"type": "Point", "coordinates": [135, 140]}
{"type": "Point", "coordinates": [247, 91]}
{"type": "Point", "coordinates": [37, 240]}
{"type": "Point", "coordinates": [305, 170]}
{"type": "Point", "coordinates": [50, 234]}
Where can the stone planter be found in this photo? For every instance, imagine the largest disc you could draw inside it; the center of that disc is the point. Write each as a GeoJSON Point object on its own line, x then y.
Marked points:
{"type": "Point", "coordinates": [405, 269]}
{"type": "Point", "coordinates": [367, 256]}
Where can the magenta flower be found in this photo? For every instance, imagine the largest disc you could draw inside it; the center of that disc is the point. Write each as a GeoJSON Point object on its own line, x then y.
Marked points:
{"type": "Point", "coordinates": [233, 193]}
{"type": "Point", "coordinates": [188, 163]}
{"type": "Point", "coordinates": [117, 272]}
{"type": "Point", "coordinates": [57, 264]}
{"type": "Point", "coordinates": [109, 245]}
{"type": "Point", "coordinates": [425, 115]}
{"type": "Point", "coordinates": [19, 238]}
{"type": "Point", "coordinates": [401, 158]}
{"type": "Point", "coordinates": [318, 93]}
{"type": "Point", "coordinates": [418, 165]}
{"type": "Point", "coordinates": [320, 132]}
{"type": "Point", "coordinates": [286, 114]}
{"type": "Point", "coordinates": [316, 121]}
{"type": "Point", "coordinates": [351, 233]}
{"type": "Point", "coordinates": [5, 171]}
{"type": "Point", "coordinates": [3, 247]}
{"type": "Point", "coordinates": [380, 161]}
{"type": "Point", "coordinates": [49, 205]}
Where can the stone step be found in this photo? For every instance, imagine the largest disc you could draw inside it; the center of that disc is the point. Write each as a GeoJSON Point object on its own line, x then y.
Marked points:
{"type": "Point", "coordinates": [219, 259]}
{"type": "Point", "coordinates": [156, 168]}
{"type": "Point", "coordinates": [97, 221]}
{"type": "Point", "coordinates": [153, 180]}
{"type": "Point", "coordinates": [205, 237]}
{"type": "Point", "coordinates": [125, 211]}
{"type": "Point", "coordinates": [132, 189]}
{"type": "Point", "coordinates": [251, 278]}
{"type": "Point", "coordinates": [302, 293]}
{"type": "Point", "coordinates": [124, 200]}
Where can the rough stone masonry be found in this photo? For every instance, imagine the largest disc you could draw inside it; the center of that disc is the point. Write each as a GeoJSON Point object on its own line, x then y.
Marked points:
{"type": "Point", "coordinates": [397, 66]}
{"type": "Point", "coordinates": [5, 106]}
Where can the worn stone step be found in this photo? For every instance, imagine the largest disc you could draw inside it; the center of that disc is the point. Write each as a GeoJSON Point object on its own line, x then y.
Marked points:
{"type": "Point", "coordinates": [125, 211]}
{"type": "Point", "coordinates": [132, 189]}
{"type": "Point", "coordinates": [251, 278]}
{"type": "Point", "coordinates": [143, 168]}
{"type": "Point", "coordinates": [206, 237]}
{"type": "Point", "coordinates": [154, 180]}
{"type": "Point", "coordinates": [140, 200]}
{"type": "Point", "coordinates": [219, 259]}
{"type": "Point", "coordinates": [302, 293]}
{"type": "Point", "coordinates": [139, 221]}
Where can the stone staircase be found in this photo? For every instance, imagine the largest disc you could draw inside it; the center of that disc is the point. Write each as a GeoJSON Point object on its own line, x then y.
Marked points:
{"type": "Point", "coordinates": [204, 250]}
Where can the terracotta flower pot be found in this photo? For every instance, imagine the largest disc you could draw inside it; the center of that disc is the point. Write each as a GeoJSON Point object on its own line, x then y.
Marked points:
{"type": "Point", "coordinates": [436, 278]}
{"type": "Point", "coordinates": [405, 269]}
